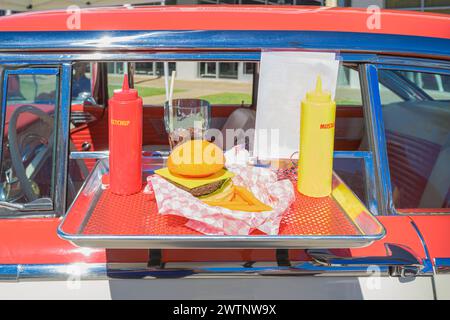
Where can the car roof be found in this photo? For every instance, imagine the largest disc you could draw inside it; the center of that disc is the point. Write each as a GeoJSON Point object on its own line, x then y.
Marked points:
{"type": "Point", "coordinates": [231, 17]}
{"type": "Point", "coordinates": [239, 28]}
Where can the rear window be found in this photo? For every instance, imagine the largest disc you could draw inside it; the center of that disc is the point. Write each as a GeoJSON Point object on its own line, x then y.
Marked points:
{"type": "Point", "coordinates": [417, 128]}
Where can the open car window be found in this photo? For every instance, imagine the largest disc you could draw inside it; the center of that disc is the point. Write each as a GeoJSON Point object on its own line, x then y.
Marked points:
{"type": "Point", "coordinates": [230, 88]}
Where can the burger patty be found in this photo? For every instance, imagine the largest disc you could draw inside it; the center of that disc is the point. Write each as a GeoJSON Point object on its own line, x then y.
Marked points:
{"type": "Point", "coordinates": [202, 190]}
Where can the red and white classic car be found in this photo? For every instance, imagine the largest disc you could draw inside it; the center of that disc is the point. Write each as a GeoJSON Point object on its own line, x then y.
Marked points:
{"type": "Point", "coordinates": [392, 148]}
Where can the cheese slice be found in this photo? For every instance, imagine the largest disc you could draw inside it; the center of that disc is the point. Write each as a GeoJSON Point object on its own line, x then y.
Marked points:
{"type": "Point", "coordinates": [192, 183]}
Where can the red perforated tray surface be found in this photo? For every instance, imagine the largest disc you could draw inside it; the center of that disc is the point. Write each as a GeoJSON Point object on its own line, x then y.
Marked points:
{"type": "Point", "coordinates": [138, 215]}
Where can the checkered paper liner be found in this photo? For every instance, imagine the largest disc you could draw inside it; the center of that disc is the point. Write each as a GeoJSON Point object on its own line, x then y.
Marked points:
{"type": "Point", "coordinates": [209, 220]}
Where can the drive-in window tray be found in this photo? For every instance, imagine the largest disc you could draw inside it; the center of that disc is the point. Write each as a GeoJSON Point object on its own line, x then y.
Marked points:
{"type": "Point", "coordinates": [98, 218]}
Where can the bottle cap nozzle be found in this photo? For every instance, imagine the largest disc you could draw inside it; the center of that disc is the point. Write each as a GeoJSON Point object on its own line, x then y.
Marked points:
{"type": "Point", "coordinates": [125, 93]}
{"type": "Point", "coordinates": [318, 95]}
{"type": "Point", "coordinates": [125, 85]}
{"type": "Point", "coordinates": [319, 84]}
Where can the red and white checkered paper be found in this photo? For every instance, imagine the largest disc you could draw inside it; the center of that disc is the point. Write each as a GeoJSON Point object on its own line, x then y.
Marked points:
{"type": "Point", "coordinates": [262, 182]}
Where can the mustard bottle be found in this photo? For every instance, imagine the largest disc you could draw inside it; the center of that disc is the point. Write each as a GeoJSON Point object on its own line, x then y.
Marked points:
{"type": "Point", "coordinates": [318, 112]}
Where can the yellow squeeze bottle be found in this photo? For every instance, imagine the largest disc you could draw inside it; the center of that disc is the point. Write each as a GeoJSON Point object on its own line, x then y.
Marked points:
{"type": "Point", "coordinates": [318, 112]}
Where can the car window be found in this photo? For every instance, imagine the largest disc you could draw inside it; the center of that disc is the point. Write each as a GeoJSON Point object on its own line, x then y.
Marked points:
{"type": "Point", "coordinates": [348, 90]}
{"type": "Point", "coordinates": [350, 133]}
{"type": "Point", "coordinates": [436, 86]}
{"type": "Point", "coordinates": [27, 174]}
{"type": "Point", "coordinates": [389, 96]}
{"type": "Point", "coordinates": [417, 130]}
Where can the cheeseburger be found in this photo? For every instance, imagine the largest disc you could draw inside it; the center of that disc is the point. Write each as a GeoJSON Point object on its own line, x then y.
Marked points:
{"type": "Point", "coordinates": [197, 166]}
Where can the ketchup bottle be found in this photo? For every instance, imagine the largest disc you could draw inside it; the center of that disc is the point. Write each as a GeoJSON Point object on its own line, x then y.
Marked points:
{"type": "Point", "coordinates": [125, 141]}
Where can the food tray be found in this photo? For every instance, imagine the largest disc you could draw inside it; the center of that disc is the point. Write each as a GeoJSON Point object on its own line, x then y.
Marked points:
{"type": "Point", "coordinates": [98, 218]}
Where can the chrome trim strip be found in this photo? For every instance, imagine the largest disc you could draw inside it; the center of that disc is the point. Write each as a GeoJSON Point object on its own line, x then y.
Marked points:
{"type": "Point", "coordinates": [423, 67]}
{"type": "Point", "coordinates": [413, 62]}
{"type": "Point", "coordinates": [89, 154]}
{"type": "Point", "coordinates": [442, 265]}
{"type": "Point", "coordinates": [9, 272]}
{"type": "Point", "coordinates": [14, 58]}
{"type": "Point", "coordinates": [375, 134]}
{"type": "Point", "coordinates": [427, 262]}
{"type": "Point", "coordinates": [129, 56]}
{"type": "Point", "coordinates": [62, 145]}
{"type": "Point", "coordinates": [3, 108]}
{"type": "Point", "coordinates": [227, 39]}
{"type": "Point", "coordinates": [101, 271]}
{"type": "Point", "coordinates": [70, 272]}
{"type": "Point", "coordinates": [401, 260]}
{"type": "Point", "coordinates": [33, 70]}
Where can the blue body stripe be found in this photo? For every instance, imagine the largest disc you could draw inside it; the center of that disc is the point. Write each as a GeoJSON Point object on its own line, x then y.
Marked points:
{"type": "Point", "coordinates": [251, 40]}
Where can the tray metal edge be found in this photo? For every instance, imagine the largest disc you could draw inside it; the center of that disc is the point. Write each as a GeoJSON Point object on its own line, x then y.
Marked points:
{"type": "Point", "coordinates": [211, 242]}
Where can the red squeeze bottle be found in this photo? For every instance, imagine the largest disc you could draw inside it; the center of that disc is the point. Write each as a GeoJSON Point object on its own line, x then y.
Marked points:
{"type": "Point", "coordinates": [125, 141]}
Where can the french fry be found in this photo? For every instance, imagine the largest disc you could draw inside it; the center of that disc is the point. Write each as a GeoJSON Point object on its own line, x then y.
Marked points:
{"type": "Point", "coordinates": [243, 200]}
{"type": "Point", "coordinates": [250, 198]}
{"type": "Point", "coordinates": [237, 206]}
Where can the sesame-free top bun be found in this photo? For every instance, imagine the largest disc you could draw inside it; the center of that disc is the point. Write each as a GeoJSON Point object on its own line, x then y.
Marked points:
{"type": "Point", "coordinates": [196, 159]}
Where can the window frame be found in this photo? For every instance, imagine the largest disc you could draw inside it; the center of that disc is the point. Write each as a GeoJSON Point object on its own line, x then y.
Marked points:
{"type": "Point", "coordinates": [62, 71]}
{"type": "Point", "coordinates": [372, 98]}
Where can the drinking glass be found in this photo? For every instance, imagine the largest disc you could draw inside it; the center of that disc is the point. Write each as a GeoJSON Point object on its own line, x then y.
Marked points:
{"type": "Point", "coordinates": [186, 119]}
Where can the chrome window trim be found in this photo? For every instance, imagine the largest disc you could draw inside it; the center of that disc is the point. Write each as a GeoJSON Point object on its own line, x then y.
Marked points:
{"type": "Point", "coordinates": [59, 172]}
{"type": "Point", "coordinates": [440, 69]}
{"type": "Point", "coordinates": [375, 134]}
{"type": "Point", "coordinates": [132, 56]}
{"type": "Point", "coordinates": [222, 39]}
{"type": "Point", "coordinates": [63, 139]}
{"type": "Point", "coordinates": [43, 58]}
{"type": "Point", "coordinates": [405, 62]}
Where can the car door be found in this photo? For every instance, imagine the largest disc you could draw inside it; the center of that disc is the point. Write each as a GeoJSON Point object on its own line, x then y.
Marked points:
{"type": "Point", "coordinates": [415, 109]}
{"type": "Point", "coordinates": [34, 133]}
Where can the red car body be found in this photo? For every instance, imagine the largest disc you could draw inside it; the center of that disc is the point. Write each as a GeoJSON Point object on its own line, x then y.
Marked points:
{"type": "Point", "coordinates": [35, 241]}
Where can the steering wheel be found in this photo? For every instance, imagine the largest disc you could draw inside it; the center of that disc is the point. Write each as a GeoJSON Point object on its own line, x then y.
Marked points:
{"type": "Point", "coordinates": [16, 156]}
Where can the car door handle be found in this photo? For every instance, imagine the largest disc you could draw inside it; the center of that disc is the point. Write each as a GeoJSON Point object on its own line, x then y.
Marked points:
{"type": "Point", "coordinates": [401, 260]}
